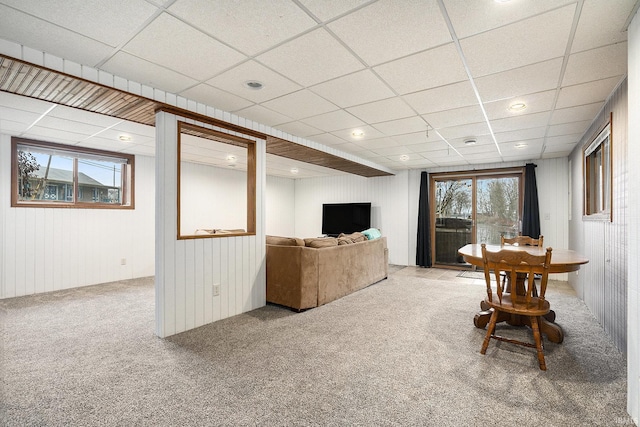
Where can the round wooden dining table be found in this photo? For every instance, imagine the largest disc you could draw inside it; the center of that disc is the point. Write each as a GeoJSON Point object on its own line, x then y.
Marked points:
{"type": "Point", "coordinates": [562, 261]}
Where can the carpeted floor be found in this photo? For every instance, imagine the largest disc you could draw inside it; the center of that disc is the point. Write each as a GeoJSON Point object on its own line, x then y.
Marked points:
{"type": "Point", "coordinates": [403, 352]}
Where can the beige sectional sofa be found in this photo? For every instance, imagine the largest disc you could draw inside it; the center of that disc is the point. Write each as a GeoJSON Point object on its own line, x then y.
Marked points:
{"type": "Point", "coordinates": [308, 273]}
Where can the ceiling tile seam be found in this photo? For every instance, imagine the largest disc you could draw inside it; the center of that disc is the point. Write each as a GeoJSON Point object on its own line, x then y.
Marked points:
{"type": "Point", "coordinates": [563, 69]}
{"type": "Point", "coordinates": [456, 42]}
{"type": "Point", "coordinates": [120, 47]}
{"type": "Point", "coordinates": [35, 122]}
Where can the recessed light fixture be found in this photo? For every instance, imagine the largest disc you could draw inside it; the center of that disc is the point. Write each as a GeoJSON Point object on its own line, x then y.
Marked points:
{"type": "Point", "coordinates": [125, 138]}
{"type": "Point", "coordinates": [231, 158]}
{"type": "Point", "coordinates": [357, 133]}
{"type": "Point", "coordinates": [470, 141]}
{"type": "Point", "coordinates": [517, 106]}
{"type": "Point", "coordinates": [404, 158]}
{"type": "Point", "coordinates": [294, 171]}
{"type": "Point", "coordinates": [254, 84]}
{"type": "Point", "coordinates": [521, 145]}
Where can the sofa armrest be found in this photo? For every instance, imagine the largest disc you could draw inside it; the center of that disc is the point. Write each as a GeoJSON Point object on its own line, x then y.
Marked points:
{"type": "Point", "coordinates": [292, 276]}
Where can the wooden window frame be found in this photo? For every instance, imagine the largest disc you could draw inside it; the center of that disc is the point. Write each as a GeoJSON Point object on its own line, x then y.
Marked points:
{"type": "Point", "coordinates": [605, 211]}
{"type": "Point", "coordinates": [76, 152]}
{"type": "Point", "coordinates": [250, 145]}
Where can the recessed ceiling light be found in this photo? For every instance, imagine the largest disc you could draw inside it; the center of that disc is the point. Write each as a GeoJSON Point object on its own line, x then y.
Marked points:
{"type": "Point", "coordinates": [125, 138]}
{"type": "Point", "coordinates": [404, 158]}
{"type": "Point", "coordinates": [357, 133]}
{"type": "Point", "coordinates": [231, 158]}
{"type": "Point", "coordinates": [254, 84]}
{"type": "Point", "coordinates": [294, 171]}
{"type": "Point", "coordinates": [518, 106]}
{"type": "Point", "coordinates": [521, 145]}
{"type": "Point", "coordinates": [470, 141]}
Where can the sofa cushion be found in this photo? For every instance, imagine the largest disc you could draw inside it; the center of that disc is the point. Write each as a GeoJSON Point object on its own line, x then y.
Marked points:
{"type": "Point", "coordinates": [321, 242]}
{"type": "Point", "coordinates": [353, 237]}
{"type": "Point", "coordinates": [284, 241]}
{"type": "Point", "coordinates": [344, 240]}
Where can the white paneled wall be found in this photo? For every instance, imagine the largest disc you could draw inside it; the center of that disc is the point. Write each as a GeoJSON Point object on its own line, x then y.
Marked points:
{"type": "Point", "coordinates": [212, 197]}
{"type": "Point", "coordinates": [633, 221]}
{"type": "Point", "coordinates": [280, 206]}
{"type": "Point", "coordinates": [389, 206]}
{"type": "Point", "coordinates": [48, 249]}
{"type": "Point", "coordinates": [188, 270]}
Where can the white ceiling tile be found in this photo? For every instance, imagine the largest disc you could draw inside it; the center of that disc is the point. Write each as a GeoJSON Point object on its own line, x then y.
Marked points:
{"type": "Point", "coordinates": [390, 151]}
{"type": "Point", "coordinates": [402, 126]}
{"type": "Point", "coordinates": [473, 17]}
{"type": "Point", "coordinates": [145, 72]}
{"type": "Point", "coordinates": [379, 143]}
{"type": "Point", "coordinates": [20, 116]}
{"type": "Point", "coordinates": [298, 129]}
{"type": "Point", "coordinates": [369, 133]}
{"type": "Point", "coordinates": [378, 111]}
{"type": "Point", "coordinates": [528, 79]}
{"type": "Point", "coordinates": [274, 85]}
{"type": "Point", "coordinates": [9, 127]}
{"type": "Point", "coordinates": [442, 98]}
{"type": "Point", "coordinates": [596, 64]}
{"type": "Point", "coordinates": [388, 29]}
{"type": "Point", "coordinates": [354, 89]}
{"type": "Point", "coordinates": [141, 150]}
{"type": "Point", "coordinates": [182, 48]}
{"type": "Point", "coordinates": [569, 128]}
{"type": "Point", "coordinates": [586, 93]}
{"type": "Point", "coordinates": [312, 58]}
{"type": "Point", "coordinates": [78, 127]}
{"type": "Point", "coordinates": [328, 139]}
{"type": "Point", "coordinates": [455, 117]}
{"type": "Point", "coordinates": [38, 34]}
{"type": "Point", "coordinates": [526, 121]}
{"type": "Point", "coordinates": [108, 22]}
{"type": "Point", "coordinates": [564, 139]}
{"type": "Point", "coordinates": [252, 28]}
{"type": "Point", "coordinates": [435, 67]}
{"type": "Point", "coordinates": [53, 135]}
{"type": "Point", "coordinates": [215, 97]}
{"type": "Point", "coordinates": [136, 129]}
{"type": "Point", "coordinates": [520, 134]}
{"type": "Point", "coordinates": [535, 103]}
{"type": "Point", "coordinates": [540, 38]}
{"type": "Point", "coordinates": [263, 115]}
{"type": "Point", "coordinates": [24, 103]}
{"type": "Point", "coordinates": [601, 24]}
{"type": "Point", "coordinates": [575, 114]}
{"type": "Point", "coordinates": [533, 147]}
{"type": "Point", "coordinates": [417, 138]}
{"type": "Point", "coordinates": [335, 120]}
{"type": "Point", "coordinates": [81, 116]}
{"type": "Point", "coordinates": [480, 146]}
{"type": "Point", "coordinates": [473, 130]}
{"type": "Point", "coordinates": [559, 150]}
{"type": "Point", "coordinates": [300, 105]}
{"type": "Point", "coordinates": [329, 9]}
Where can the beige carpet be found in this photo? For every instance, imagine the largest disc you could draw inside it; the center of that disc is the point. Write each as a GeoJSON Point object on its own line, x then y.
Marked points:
{"type": "Point", "coordinates": [403, 352]}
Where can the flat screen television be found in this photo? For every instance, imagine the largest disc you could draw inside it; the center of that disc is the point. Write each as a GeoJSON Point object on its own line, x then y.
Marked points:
{"type": "Point", "coordinates": [345, 218]}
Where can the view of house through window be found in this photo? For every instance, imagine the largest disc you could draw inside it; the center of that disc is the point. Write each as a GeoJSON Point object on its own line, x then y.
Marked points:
{"type": "Point", "coordinates": [597, 168]}
{"type": "Point", "coordinates": [58, 175]}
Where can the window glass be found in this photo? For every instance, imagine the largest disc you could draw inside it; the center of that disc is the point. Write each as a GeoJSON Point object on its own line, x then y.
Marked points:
{"type": "Point", "coordinates": [55, 174]}
{"type": "Point", "coordinates": [597, 180]}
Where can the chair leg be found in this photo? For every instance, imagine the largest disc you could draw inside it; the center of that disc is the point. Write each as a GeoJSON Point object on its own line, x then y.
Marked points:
{"type": "Point", "coordinates": [538, 340]}
{"type": "Point", "coordinates": [490, 329]}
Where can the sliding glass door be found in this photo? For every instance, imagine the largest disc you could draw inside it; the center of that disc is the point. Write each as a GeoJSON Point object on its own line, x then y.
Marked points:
{"type": "Point", "coordinates": [475, 207]}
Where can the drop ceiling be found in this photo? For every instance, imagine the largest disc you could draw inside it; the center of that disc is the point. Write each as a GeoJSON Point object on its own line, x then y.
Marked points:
{"type": "Point", "coordinates": [417, 78]}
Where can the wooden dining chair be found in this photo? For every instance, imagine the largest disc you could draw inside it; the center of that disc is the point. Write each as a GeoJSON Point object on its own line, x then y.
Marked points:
{"type": "Point", "coordinates": [529, 306]}
{"type": "Point", "coordinates": [521, 240]}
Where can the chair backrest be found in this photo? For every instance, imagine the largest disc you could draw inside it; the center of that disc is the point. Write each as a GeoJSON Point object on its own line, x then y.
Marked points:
{"type": "Point", "coordinates": [521, 241]}
{"type": "Point", "coordinates": [512, 262]}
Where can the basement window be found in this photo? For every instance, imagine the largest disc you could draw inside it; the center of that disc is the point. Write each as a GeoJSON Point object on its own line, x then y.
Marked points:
{"type": "Point", "coordinates": [53, 175]}
{"type": "Point", "coordinates": [598, 176]}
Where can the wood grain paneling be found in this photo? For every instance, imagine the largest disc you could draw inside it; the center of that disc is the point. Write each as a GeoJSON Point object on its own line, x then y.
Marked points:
{"type": "Point", "coordinates": [602, 283]}
{"type": "Point", "coordinates": [34, 81]}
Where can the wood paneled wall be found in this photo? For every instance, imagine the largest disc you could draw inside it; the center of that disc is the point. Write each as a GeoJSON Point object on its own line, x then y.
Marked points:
{"type": "Point", "coordinates": [49, 249]}
{"type": "Point", "coordinates": [602, 283]}
{"type": "Point", "coordinates": [188, 270]}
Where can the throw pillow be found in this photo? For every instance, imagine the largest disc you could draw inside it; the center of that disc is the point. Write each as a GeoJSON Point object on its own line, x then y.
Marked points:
{"type": "Point", "coordinates": [324, 242]}
{"type": "Point", "coordinates": [372, 233]}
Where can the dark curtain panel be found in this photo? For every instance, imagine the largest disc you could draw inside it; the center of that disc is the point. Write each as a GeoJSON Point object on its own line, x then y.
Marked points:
{"type": "Point", "coordinates": [423, 250]}
{"type": "Point", "coordinates": [531, 213]}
